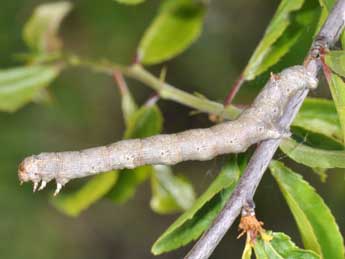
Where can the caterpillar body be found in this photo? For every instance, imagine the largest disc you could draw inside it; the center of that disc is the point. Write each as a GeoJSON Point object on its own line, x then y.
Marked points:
{"type": "Point", "coordinates": [255, 124]}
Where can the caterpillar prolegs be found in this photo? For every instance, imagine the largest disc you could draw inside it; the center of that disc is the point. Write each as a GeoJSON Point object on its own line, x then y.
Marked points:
{"type": "Point", "coordinates": [255, 124]}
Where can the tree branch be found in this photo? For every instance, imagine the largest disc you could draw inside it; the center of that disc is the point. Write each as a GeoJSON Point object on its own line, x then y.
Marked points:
{"type": "Point", "coordinates": [262, 156]}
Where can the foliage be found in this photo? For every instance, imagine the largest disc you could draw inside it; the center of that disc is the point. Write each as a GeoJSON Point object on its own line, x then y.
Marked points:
{"type": "Point", "coordinates": [318, 130]}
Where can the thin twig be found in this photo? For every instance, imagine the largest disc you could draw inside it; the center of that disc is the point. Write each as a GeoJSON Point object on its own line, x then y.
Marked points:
{"type": "Point", "coordinates": [165, 90]}
{"type": "Point", "coordinates": [234, 90]}
{"type": "Point", "coordinates": [263, 154]}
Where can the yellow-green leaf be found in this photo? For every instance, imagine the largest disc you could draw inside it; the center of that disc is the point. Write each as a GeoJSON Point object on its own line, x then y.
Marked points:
{"type": "Point", "coordinates": [191, 224]}
{"type": "Point", "coordinates": [177, 25]}
{"type": "Point", "coordinates": [335, 59]}
{"type": "Point", "coordinates": [281, 247]}
{"type": "Point", "coordinates": [19, 85]}
{"type": "Point", "coordinates": [170, 193]}
{"type": "Point", "coordinates": [73, 204]}
{"type": "Point", "coordinates": [274, 31]}
{"type": "Point", "coordinates": [41, 31]}
{"type": "Point", "coordinates": [314, 219]}
{"type": "Point", "coordinates": [313, 157]}
{"type": "Point", "coordinates": [319, 116]}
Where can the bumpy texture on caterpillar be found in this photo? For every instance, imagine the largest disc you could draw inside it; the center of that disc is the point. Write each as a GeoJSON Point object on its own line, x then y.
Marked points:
{"type": "Point", "coordinates": [255, 124]}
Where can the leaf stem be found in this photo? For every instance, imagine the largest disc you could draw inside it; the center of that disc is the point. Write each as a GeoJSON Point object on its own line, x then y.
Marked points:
{"type": "Point", "coordinates": [165, 90]}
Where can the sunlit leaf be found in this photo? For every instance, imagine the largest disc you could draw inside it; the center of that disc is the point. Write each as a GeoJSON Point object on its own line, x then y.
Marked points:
{"type": "Point", "coordinates": [281, 20]}
{"type": "Point", "coordinates": [41, 31]}
{"type": "Point", "coordinates": [128, 105]}
{"type": "Point", "coordinates": [315, 221]}
{"type": "Point", "coordinates": [337, 87]}
{"type": "Point", "coordinates": [247, 251]}
{"type": "Point", "coordinates": [335, 59]}
{"type": "Point", "coordinates": [73, 204]}
{"type": "Point", "coordinates": [313, 157]}
{"type": "Point", "coordinates": [319, 116]}
{"type": "Point", "coordinates": [170, 193]}
{"type": "Point", "coordinates": [281, 247]}
{"type": "Point", "coordinates": [130, 2]}
{"type": "Point", "coordinates": [177, 25]}
{"type": "Point", "coordinates": [19, 85]}
{"type": "Point", "coordinates": [191, 224]}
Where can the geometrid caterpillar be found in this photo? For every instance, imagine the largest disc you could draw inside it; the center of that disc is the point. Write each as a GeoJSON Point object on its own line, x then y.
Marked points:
{"type": "Point", "coordinates": [255, 124]}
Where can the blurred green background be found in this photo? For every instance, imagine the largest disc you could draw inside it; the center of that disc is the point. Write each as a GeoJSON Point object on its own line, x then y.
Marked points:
{"type": "Point", "coordinates": [84, 111]}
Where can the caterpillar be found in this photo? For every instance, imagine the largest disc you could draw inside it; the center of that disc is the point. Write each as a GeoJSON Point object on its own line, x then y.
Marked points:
{"type": "Point", "coordinates": [255, 124]}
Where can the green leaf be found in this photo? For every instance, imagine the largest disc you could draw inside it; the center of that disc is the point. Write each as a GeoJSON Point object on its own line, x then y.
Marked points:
{"type": "Point", "coordinates": [191, 224]}
{"type": "Point", "coordinates": [130, 2]}
{"type": "Point", "coordinates": [281, 20]}
{"type": "Point", "coordinates": [337, 86]}
{"type": "Point", "coordinates": [247, 251]}
{"type": "Point", "coordinates": [73, 204]}
{"type": "Point", "coordinates": [281, 247]}
{"type": "Point", "coordinates": [145, 122]}
{"type": "Point", "coordinates": [335, 59]}
{"type": "Point", "coordinates": [315, 221]}
{"type": "Point", "coordinates": [313, 157]}
{"type": "Point", "coordinates": [19, 85]}
{"type": "Point", "coordinates": [170, 193]}
{"type": "Point", "coordinates": [175, 28]}
{"type": "Point", "coordinates": [319, 116]}
{"type": "Point", "coordinates": [127, 183]}
{"type": "Point", "coordinates": [41, 31]}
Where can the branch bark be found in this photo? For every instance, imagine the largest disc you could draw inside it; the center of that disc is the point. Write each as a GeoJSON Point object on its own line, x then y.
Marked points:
{"type": "Point", "coordinates": [262, 156]}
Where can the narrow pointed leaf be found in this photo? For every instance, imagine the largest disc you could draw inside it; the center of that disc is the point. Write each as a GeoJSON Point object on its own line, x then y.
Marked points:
{"type": "Point", "coordinates": [337, 87]}
{"type": "Point", "coordinates": [274, 31]}
{"type": "Point", "coordinates": [191, 224]}
{"type": "Point", "coordinates": [170, 193]}
{"type": "Point", "coordinates": [319, 116]}
{"type": "Point", "coordinates": [281, 247]}
{"type": "Point", "coordinates": [73, 204]}
{"type": "Point", "coordinates": [313, 157]}
{"type": "Point", "coordinates": [314, 219]}
{"type": "Point", "coordinates": [20, 85]}
{"type": "Point", "coordinates": [177, 25]}
{"type": "Point", "coordinates": [41, 31]}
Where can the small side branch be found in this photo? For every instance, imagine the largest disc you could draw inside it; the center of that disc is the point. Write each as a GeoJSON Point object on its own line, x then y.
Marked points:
{"type": "Point", "coordinates": [263, 155]}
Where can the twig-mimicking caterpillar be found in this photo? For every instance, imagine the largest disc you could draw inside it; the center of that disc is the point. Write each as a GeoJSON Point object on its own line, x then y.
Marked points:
{"type": "Point", "coordinates": [255, 124]}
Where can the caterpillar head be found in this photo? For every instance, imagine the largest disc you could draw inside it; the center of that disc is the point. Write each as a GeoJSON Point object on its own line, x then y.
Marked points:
{"type": "Point", "coordinates": [29, 170]}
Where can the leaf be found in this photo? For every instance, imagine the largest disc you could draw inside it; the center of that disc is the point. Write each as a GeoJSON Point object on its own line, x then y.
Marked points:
{"type": "Point", "coordinates": [19, 85]}
{"type": "Point", "coordinates": [41, 31]}
{"type": "Point", "coordinates": [191, 224]}
{"type": "Point", "coordinates": [145, 122]}
{"type": "Point", "coordinates": [128, 181]}
{"type": "Point", "coordinates": [313, 157]}
{"type": "Point", "coordinates": [281, 247]}
{"type": "Point", "coordinates": [130, 2]}
{"type": "Point", "coordinates": [279, 23]}
{"type": "Point", "coordinates": [128, 105]}
{"type": "Point", "coordinates": [175, 28]}
{"type": "Point", "coordinates": [315, 221]}
{"type": "Point", "coordinates": [247, 251]}
{"type": "Point", "coordinates": [337, 86]}
{"type": "Point", "coordinates": [73, 204]}
{"type": "Point", "coordinates": [335, 59]}
{"type": "Point", "coordinates": [170, 193]}
{"type": "Point", "coordinates": [320, 116]}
